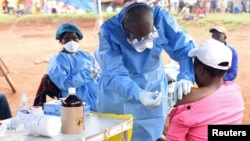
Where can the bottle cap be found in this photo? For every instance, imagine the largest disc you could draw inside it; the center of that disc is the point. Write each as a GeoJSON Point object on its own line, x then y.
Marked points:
{"type": "Point", "coordinates": [24, 98]}
{"type": "Point", "coordinates": [72, 90]}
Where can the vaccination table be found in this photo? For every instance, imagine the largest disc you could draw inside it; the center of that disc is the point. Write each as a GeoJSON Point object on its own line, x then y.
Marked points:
{"type": "Point", "coordinates": [98, 127]}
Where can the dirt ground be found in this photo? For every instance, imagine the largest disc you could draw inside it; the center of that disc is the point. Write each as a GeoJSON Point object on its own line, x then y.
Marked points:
{"type": "Point", "coordinates": [27, 46]}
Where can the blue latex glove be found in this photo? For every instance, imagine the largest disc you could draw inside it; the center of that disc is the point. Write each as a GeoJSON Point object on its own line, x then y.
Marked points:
{"type": "Point", "coordinates": [150, 99]}
{"type": "Point", "coordinates": [182, 87]}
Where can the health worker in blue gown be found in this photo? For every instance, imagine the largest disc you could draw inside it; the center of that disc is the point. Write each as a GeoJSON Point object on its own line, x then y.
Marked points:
{"type": "Point", "coordinates": [133, 80]}
{"type": "Point", "coordinates": [72, 67]}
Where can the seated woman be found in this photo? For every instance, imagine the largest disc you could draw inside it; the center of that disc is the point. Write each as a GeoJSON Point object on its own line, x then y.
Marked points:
{"type": "Point", "coordinates": [214, 102]}
{"type": "Point", "coordinates": [72, 67]}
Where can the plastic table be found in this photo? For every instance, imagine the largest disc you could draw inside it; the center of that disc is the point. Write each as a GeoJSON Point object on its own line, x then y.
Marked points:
{"type": "Point", "coordinates": [97, 128]}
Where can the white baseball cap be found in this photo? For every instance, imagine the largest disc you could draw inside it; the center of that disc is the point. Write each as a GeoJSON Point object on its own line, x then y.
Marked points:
{"type": "Point", "coordinates": [213, 53]}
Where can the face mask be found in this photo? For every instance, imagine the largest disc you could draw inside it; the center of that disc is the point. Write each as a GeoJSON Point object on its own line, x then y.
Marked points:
{"type": "Point", "coordinates": [71, 46]}
{"type": "Point", "coordinates": [144, 46]}
{"type": "Point", "coordinates": [144, 42]}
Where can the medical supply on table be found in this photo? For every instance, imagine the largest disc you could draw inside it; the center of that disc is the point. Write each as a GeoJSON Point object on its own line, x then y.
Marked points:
{"type": "Point", "coordinates": [24, 106]}
{"type": "Point", "coordinates": [23, 112]}
{"type": "Point", "coordinates": [38, 110]}
{"type": "Point", "coordinates": [36, 124]}
{"type": "Point", "coordinates": [31, 120]}
{"type": "Point", "coordinates": [72, 116]}
{"type": "Point", "coordinates": [102, 126]}
{"type": "Point", "coordinates": [44, 125]}
{"type": "Point", "coordinates": [54, 108]}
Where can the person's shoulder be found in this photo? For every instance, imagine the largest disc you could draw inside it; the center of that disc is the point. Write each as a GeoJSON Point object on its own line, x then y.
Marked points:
{"type": "Point", "coordinates": [161, 15]}
{"type": "Point", "coordinates": [232, 48]}
{"type": "Point", "coordinates": [57, 59]}
{"type": "Point", "coordinates": [56, 55]}
{"type": "Point", "coordinates": [112, 26]}
{"type": "Point", "coordinates": [82, 52]}
{"type": "Point", "coordinates": [231, 86]}
{"type": "Point", "coordinates": [109, 26]}
{"type": "Point", "coordinates": [159, 10]}
{"type": "Point", "coordinates": [195, 95]}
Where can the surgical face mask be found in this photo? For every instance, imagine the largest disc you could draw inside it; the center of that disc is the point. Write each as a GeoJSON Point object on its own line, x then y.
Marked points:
{"type": "Point", "coordinates": [71, 46]}
{"type": "Point", "coordinates": [142, 47]}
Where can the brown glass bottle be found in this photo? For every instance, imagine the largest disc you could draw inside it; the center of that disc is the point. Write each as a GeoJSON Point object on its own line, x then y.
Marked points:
{"type": "Point", "coordinates": [72, 114]}
{"type": "Point", "coordinates": [72, 100]}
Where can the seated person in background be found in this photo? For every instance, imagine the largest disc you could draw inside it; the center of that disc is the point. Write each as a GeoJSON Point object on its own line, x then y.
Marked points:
{"type": "Point", "coordinates": [185, 11]}
{"type": "Point", "coordinates": [4, 108]}
{"type": "Point", "coordinates": [220, 33]}
{"type": "Point", "coordinates": [5, 6]}
{"type": "Point", "coordinates": [72, 67]}
{"type": "Point", "coordinates": [200, 11]}
{"type": "Point", "coordinates": [181, 5]}
{"type": "Point", "coordinates": [214, 102]}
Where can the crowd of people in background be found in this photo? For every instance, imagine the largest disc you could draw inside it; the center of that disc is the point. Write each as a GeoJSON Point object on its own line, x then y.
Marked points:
{"type": "Point", "coordinates": [20, 7]}
{"type": "Point", "coordinates": [211, 6]}
{"type": "Point", "coordinates": [197, 8]}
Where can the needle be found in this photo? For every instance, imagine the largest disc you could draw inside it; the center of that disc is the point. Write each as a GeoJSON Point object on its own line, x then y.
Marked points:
{"type": "Point", "coordinates": [165, 97]}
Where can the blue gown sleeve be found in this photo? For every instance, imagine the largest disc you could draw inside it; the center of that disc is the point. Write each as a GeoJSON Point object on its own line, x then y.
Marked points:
{"type": "Point", "coordinates": [67, 70]}
{"type": "Point", "coordinates": [114, 75]}
{"type": "Point", "coordinates": [178, 44]}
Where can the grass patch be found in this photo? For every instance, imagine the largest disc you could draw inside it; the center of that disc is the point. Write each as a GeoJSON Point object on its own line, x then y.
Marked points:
{"type": "Point", "coordinates": [4, 18]}
{"type": "Point", "coordinates": [200, 26]}
{"type": "Point", "coordinates": [229, 21]}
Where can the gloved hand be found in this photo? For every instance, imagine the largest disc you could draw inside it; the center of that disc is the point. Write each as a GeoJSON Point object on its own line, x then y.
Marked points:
{"type": "Point", "coordinates": [182, 87]}
{"type": "Point", "coordinates": [94, 73]}
{"type": "Point", "coordinates": [150, 99]}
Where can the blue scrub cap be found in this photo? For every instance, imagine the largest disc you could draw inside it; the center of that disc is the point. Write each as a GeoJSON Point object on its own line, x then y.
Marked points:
{"type": "Point", "coordinates": [68, 27]}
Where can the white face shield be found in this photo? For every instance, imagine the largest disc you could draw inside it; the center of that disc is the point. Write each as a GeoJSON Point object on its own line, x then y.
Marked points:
{"type": "Point", "coordinates": [142, 43]}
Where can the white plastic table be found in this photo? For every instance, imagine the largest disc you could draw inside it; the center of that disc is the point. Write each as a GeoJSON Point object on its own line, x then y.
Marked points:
{"type": "Point", "coordinates": [97, 128]}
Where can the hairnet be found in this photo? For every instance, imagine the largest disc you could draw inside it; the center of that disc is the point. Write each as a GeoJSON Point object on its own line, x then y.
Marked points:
{"type": "Point", "coordinates": [68, 27]}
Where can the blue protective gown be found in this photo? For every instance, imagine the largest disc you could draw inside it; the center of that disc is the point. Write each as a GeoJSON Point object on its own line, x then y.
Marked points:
{"type": "Point", "coordinates": [126, 72]}
{"type": "Point", "coordinates": [72, 70]}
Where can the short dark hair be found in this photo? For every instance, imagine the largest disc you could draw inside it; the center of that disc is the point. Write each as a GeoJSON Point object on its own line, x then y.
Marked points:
{"type": "Point", "coordinates": [139, 13]}
{"type": "Point", "coordinates": [213, 72]}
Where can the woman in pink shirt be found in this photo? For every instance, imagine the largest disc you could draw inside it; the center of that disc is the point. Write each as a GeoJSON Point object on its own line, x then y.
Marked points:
{"type": "Point", "coordinates": [214, 102]}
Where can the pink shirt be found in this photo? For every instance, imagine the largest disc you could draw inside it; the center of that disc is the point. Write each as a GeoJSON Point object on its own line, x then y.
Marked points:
{"type": "Point", "coordinates": [189, 122]}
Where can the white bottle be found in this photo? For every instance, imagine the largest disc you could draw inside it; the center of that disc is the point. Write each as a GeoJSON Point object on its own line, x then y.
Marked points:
{"type": "Point", "coordinates": [24, 105]}
{"type": "Point", "coordinates": [22, 115]}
